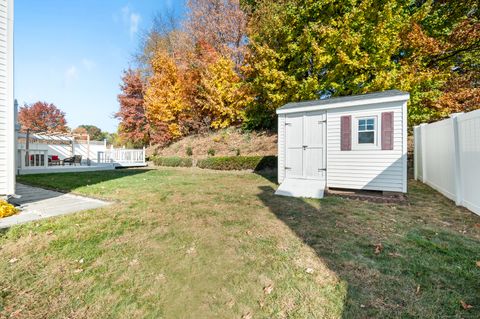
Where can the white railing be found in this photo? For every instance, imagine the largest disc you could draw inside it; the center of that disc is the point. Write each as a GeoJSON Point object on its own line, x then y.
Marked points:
{"type": "Point", "coordinates": [33, 158]}
{"type": "Point", "coordinates": [122, 156]}
{"type": "Point", "coordinates": [447, 157]}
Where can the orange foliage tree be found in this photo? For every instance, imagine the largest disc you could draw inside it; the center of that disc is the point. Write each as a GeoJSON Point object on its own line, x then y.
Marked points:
{"type": "Point", "coordinates": [42, 117]}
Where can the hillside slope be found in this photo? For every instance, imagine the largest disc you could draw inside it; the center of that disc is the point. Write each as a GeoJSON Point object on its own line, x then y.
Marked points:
{"type": "Point", "coordinates": [228, 142]}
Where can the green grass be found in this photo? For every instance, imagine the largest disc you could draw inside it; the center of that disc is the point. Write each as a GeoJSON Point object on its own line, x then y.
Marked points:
{"type": "Point", "coordinates": [189, 243]}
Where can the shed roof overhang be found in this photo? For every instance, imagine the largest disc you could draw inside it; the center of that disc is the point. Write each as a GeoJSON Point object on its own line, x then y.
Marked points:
{"type": "Point", "coordinates": [345, 101]}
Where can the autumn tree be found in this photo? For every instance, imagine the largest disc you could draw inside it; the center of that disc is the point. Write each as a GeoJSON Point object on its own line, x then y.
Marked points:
{"type": "Point", "coordinates": [220, 23]}
{"type": "Point", "coordinates": [134, 126]}
{"type": "Point", "coordinates": [164, 97]}
{"type": "Point", "coordinates": [222, 94]}
{"type": "Point", "coordinates": [315, 49]}
{"type": "Point", "coordinates": [42, 117]}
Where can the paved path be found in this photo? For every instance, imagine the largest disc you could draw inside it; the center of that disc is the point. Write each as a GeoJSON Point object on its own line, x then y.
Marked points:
{"type": "Point", "coordinates": [38, 203]}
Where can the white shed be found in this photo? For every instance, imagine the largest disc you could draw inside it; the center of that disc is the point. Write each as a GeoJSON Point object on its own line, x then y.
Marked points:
{"type": "Point", "coordinates": [354, 142]}
{"type": "Point", "coordinates": [7, 111]}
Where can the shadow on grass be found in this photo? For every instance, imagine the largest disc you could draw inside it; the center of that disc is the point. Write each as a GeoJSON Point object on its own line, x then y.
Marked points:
{"type": "Point", "coordinates": [420, 270]}
{"type": "Point", "coordinates": [67, 182]}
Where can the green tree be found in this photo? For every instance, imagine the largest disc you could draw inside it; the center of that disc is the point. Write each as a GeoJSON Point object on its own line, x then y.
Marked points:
{"type": "Point", "coordinates": [94, 132]}
{"type": "Point", "coordinates": [314, 49]}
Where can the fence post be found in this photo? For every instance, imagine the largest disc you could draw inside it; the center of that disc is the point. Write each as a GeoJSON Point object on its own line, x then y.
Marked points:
{"type": "Point", "coordinates": [143, 155]}
{"type": "Point", "coordinates": [423, 143]}
{"type": "Point", "coordinates": [456, 161]}
{"type": "Point", "coordinates": [415, 152]}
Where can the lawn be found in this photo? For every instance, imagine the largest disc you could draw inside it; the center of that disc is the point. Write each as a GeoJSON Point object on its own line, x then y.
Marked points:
{"type": "Point", "coordinates": [190, 243]}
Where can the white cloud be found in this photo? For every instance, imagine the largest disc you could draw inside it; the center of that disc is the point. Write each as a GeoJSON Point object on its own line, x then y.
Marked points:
{"type": "Point", "coordinates": [134, 22]}
{"type": "Point", "coordinates": [131, 19]}
{"type": "Point", "coordinates": [71, 74]}
{"type": "Point", "coordinates": [88, 64]}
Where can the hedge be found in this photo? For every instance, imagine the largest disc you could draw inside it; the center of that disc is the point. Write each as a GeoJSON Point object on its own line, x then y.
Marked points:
{"type": "Point", "coordinates": [172, 161]}
{"type": "Point", "coordinates": [256, 163]}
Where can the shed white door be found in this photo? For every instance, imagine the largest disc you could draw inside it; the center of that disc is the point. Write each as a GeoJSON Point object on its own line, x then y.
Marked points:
{"type": "Point", "coordinates": [305, 145]}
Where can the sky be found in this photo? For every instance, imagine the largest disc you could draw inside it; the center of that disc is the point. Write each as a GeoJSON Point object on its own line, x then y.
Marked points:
{"type": "Point", "coordinates": [72, 53]}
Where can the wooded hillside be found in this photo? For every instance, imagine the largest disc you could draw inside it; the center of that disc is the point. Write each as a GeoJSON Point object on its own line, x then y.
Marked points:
{"type": "Point", "coordinates": [232, 63]}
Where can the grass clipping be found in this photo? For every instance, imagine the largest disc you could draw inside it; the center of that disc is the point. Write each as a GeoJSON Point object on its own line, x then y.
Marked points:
{"type": "Point", "coordinates": [7, 209]}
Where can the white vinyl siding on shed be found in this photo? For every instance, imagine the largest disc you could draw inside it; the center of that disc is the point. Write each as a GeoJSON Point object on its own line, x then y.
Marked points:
{"type": "Point", "coordinates": [370, 169]}
{"type": "Point", "coordinates": [7, 142]}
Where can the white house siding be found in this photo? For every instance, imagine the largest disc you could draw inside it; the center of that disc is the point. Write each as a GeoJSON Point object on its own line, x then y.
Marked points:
{"type": "Point", "coordinates": [281, 148]}
{"type": "Point", "coordinates": [367, 169]}
{"type": "Point", "coordinates": [7, 140]}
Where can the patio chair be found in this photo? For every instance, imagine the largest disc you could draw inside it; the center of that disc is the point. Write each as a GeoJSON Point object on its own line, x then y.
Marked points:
{"type": "Point", "coordinates": [77, 159]}
{"type": "Point", "coordinates": [53, 160]}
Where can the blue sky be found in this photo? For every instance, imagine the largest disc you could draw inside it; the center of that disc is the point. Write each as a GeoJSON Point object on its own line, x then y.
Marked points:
{"type": "Point", "coordinates": [72, 53]}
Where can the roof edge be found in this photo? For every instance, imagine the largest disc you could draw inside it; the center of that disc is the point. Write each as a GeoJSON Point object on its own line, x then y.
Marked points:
{"type": "Point", "coordinates": [333, 105]}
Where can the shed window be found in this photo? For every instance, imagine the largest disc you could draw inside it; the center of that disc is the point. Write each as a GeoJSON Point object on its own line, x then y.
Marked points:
{"type": "Point", "coordinates": [366, 130]}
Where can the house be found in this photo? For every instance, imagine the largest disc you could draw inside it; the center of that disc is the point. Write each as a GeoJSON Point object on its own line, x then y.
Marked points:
{"type": "Point", "coordinates": [353, 142]}
{"type": "Point", "coordinates": [7, 111]}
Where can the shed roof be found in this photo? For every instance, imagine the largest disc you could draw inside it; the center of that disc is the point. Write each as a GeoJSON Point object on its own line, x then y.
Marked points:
{"type": "Point", "coordinates": [345, 101]}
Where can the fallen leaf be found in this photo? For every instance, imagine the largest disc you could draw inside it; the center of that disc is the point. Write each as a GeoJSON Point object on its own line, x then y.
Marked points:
{"type": "Point", "coordinates": [362, 306]}
{"type": "Point", "coordinates": [418, 290]}
{"type": "Point", "coordinates": [249, 232]}
{"type": "Point", "coordinates": [191, 250]}
{"type": "Point", "coordinates": [248, 315]}
{"type": "Point", "coordinates": [231, 303]}
{"type": "Point", "coordinates": [13, 260]}
{"type": "Point", "coordinates": [478, 263]}
{"type": "Point", "coordinates": [309, 270]}
{"type": "Point", "coordinates": [134, 262]}
{"type": "Point", "coordinates": [394, 255]}
{"type": "Point", "coordinates": [268, 289]}
{"type": "Point", "coordinates": [477, 225]}
{"type": "Point", "coordinates": [77, 271]}
{"type": "Point", "coordinates": [378, 248]}
{"type": "Point", "coordinates": [465, 305]}
{"type": "Point", "coordinates": [49, 232]}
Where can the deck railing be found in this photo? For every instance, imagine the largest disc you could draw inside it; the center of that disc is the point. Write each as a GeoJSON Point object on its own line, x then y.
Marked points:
{"type": "Point", "coordinates": [122, 156]}
{"type": "Point", "coordinates": [33, 158]}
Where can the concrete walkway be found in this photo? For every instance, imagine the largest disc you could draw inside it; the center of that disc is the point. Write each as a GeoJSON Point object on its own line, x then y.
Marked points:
{"type": "Point", "coordinates": [38, 203]}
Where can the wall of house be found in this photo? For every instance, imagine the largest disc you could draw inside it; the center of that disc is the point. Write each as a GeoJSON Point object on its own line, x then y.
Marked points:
{"type": "Point", "coordinates": [7, 128]}
{"type": "Point", "coordinates": [372, 169]}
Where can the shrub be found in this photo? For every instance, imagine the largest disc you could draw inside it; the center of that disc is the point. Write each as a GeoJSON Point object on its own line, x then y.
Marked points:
{"type": "Point", "coordinates": [189, 151]}
{"type": "Point", "coordinates": [173, 161]}
{"type": "Point", "coordinates": [7, 209]}
{"type": "Point", "coordinates": [256, 163]}
{"type": "Point", "coordinates": [211, 152]}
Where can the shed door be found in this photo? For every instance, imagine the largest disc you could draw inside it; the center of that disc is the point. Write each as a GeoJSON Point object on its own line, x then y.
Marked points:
{"type": "Point", "coordinates": [294, 145]}
{"type": "Point", "coordinates": [305, 145]}
{"type": "Point", "coordinates": [314, 141]}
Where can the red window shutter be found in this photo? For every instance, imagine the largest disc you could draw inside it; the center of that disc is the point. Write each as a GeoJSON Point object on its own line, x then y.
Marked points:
{"type": "Point", "coordinates": [346, 133]}
{"type": "Point", "coordinates": [387, 131]}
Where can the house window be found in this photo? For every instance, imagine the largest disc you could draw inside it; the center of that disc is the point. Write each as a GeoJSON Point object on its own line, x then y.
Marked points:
{"type": "Point", "coordinates": [367, 130]}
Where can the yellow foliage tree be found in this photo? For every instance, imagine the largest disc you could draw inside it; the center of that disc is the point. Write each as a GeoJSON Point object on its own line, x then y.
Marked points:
{"type": "Point", "coordinates": [222, 94]}
{"type": "Point", "coordinates": [164, 96]}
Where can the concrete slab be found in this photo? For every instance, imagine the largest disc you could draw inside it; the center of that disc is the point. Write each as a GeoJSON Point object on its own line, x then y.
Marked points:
{"type": "Point", "coordinates": [38, 203]}
{"type": "Point", "coordinates": [308, 188]}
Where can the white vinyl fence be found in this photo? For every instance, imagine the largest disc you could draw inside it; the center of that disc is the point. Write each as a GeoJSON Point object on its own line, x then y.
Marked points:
{"type": "Point", "coordinates": [123, 157]}
{"type": "Point", "coordinates": [447, 157]}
